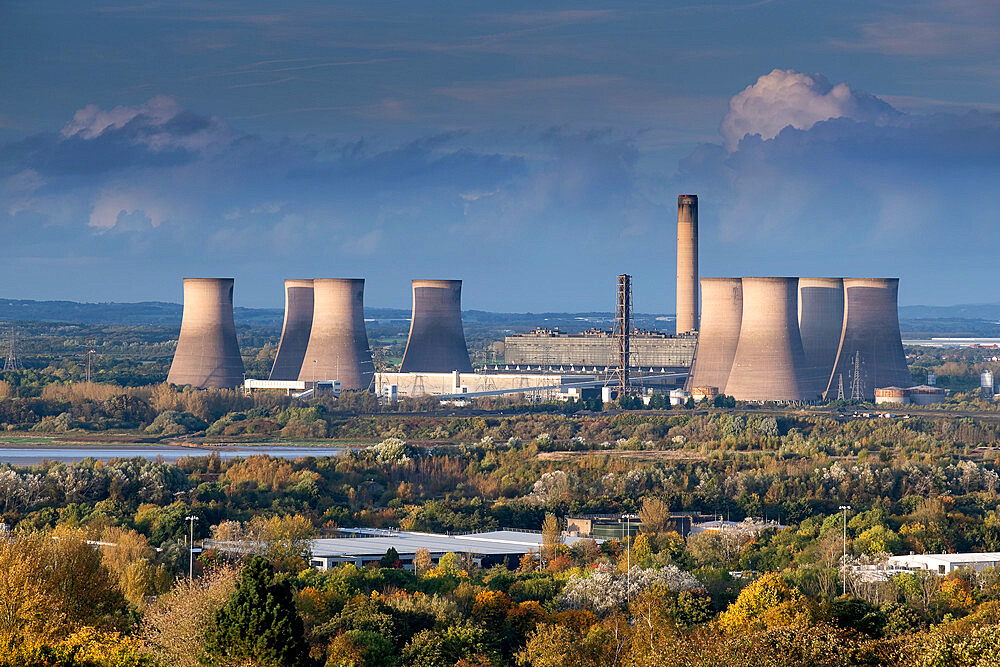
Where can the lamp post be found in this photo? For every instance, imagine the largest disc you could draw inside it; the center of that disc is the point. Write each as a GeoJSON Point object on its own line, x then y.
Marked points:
{"type": "Point", "coordinates": [843, 560]}
{"type": "Point", "coordinates": [89, 353]}
{"type": "Point", "coordinates": [627, 518]}
{"type": "Point", "coordinates": [191, 519]}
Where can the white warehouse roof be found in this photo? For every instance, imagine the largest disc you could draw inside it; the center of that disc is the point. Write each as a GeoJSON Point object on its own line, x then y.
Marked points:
{"type": "Point", "coordinates": [375, 542]}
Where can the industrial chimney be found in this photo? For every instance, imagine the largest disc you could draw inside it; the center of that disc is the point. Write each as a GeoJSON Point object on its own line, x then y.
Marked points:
{"type": "Point", "coordinates": [294, 330]}
{"type": "Point", "coordinates": [207, 353]}
{"type": "Point", "coordinates": [687, 263]}
{"type": "Point", "coordinates": [338, 341]}
{"type": "Point", "coordinates": [769, 363]}
{"type": "Point", "coordinates": [721, 314]}
{"type": "Point", "coordinates": [437, 339]}
{"type": "Point", "coordinates": [821, 322]}
{"type": "Point", "coordinates": [871, 348]}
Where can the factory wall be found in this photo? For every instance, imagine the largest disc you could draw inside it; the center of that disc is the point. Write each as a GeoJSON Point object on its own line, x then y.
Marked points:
{"type": "Point", "coordinates": [597, 349]}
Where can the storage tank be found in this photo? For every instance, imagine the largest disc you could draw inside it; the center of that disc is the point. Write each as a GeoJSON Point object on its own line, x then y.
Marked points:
{"type": "Point", "coordinates": [821, 323]}
{"type": "Point", "coordinates": [769, 363]}
{"type": "Point", "coordinates": [687, 263]}
{"type": "Point", "coordinates": [338, 341]}
{"type": "Point", "coordinates": [294, 330]}
{"type": "Point", "coordinates": [436, 343]}
{"type": "Point", "coordinates": [207, 353]}
{"type": "Point", "coordinates": [870, 340]}
{"type": "Point", "coordinates": [721, 315]}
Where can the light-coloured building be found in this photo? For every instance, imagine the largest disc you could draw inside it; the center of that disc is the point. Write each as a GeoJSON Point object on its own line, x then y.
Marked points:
{"type": "Point", "coordinates": [364, 546]}
{"type": "Point", "coordinates": [544, 385]}
{"type": "Point", "coordinates": [920, 395]}
{"type": "Point", "coordinates": [597, 347]}
{"type": "Point", "coordinates": [945, 563]}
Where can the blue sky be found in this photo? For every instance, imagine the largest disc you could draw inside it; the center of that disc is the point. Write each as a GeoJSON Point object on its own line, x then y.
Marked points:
{"type": "Point", "coordinates": [533, 150]}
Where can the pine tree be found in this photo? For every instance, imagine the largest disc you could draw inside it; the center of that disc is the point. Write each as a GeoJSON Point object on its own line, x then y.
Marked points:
{"type": "Point", "coordinates": [259, 621]}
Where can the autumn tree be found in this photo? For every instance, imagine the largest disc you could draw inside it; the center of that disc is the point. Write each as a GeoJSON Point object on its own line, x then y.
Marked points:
{"type": "Point", "coordinates": [175, 626]}
{"type": "Point", "coordinates": [550, 538]}
{"type": "Point", "coordinates": [655, 515]}
{"type": "Point", "coordinates": [766, 603]}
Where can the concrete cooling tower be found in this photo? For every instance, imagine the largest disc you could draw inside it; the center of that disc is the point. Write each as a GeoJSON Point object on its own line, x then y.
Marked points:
{"type": "Point", "coordinates": [295, 330]}
{"type": "Point", "coordinates": [437, 339]}
{"type": "Point", "coordinates": [871, 349]}
{"type": "Point", "coordinates": [207, 353]}
{"type": "Point", "coordinates": [769, 361]}
{"type": "Point", "coordinates": [338, 341]}
{"type": "Point", "coordinates": [721, 314]}
{"type": "Point", "coordinates": [687, 263]}
{"type": "Point", "coordinates": [821, 322]}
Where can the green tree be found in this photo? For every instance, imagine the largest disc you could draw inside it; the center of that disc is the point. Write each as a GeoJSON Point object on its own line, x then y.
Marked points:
{"type": "Point", "coordinates": [259, 622]}
{"type": "Point", "coordinates": [390, 558]}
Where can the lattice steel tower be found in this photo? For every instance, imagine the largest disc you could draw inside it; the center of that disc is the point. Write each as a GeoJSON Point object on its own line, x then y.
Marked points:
{"type": "Point", "coordinates": [12, 363]}
{"type": "Point", "coordinates": [623, 334]}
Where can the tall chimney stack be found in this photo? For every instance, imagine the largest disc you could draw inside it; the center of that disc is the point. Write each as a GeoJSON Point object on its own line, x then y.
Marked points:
{"type": "Point", "coordinates": [687, 263]}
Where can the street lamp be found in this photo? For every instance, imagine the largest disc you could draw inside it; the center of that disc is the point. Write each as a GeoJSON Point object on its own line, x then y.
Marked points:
{"type": "Point", "coordinates": [89, 353]}
{"type": "Point", "coordinates": [843, 561]}
{"type": "Point", "coordinates": [627, 518]}
{"type": "Point", "coordinates": [191, 520]}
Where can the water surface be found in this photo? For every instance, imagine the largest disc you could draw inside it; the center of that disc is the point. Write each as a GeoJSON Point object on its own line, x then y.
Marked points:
{"type": "Point", "coordinates": [17, 455]}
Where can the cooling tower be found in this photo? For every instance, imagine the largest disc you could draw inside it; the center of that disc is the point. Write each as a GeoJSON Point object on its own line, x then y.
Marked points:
{"type": "Point", "coordinates": [338, 342]}
{"type": "Point", "coordinates": [437, 340]}
{"type": "Point", "coordinates": [769, 363]}
{"type": "Point", "coordinates": [821, 322]}
{"type": "Point", "coordinates": [207, 353]}
{"type": "Point", "coordinates": [721, 314]}
{"type": "Point", "coordinates": [870, 341]}
{"type": "Point", "coordinates": [295, 330]}
{"type": "Point", "coordinates": [687, 263]}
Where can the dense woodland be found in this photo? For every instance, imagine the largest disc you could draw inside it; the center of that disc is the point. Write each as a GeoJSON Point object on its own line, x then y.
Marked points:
{"type": "Point", "coordinates": [921, 484]}
{"type": "Point", "coordinates": [94, 563]}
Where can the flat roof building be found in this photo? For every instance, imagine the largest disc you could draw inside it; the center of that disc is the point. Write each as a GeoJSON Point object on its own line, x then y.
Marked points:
{"type": "Point", "coordinates": [946, 563]}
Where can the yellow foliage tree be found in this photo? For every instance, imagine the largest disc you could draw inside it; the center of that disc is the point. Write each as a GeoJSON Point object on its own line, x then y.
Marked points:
{"type": "Point", "coordinates": [768, 602]}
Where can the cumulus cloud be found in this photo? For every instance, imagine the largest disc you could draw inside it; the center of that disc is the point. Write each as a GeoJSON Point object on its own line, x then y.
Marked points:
{"type": "Point", "coordinates": [159, 124]}
{"type": "Point", "coordinates": [786, 98]}
{"type": "Point", "coordinates": [861, 192]}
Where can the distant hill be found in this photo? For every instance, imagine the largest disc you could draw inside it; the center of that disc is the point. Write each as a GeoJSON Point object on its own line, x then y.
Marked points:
{"type": "Point", "coordinates": [970, 319]}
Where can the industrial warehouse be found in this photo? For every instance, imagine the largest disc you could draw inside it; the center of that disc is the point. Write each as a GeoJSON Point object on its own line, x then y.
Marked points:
{"type": "Point", "coordinates": [756, 339]}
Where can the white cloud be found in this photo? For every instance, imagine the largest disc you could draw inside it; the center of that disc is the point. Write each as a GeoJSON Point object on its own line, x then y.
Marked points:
{"type": "Point", "coordinates": [111, 205]}
{"type": "Point", "coordinates": [786, 98]}
{"type": "Point", "coordinates": [159, 124]}
{"type": "Point", "coordinates": [91, 121]}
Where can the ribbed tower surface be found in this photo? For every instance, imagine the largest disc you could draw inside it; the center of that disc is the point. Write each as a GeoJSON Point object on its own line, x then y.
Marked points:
{"type": "Point", "coordinates": [721, 314]}
{"type": "Point", "coordinates": [437, 340]}
{"type": "Point", "coordinates": [687, 263]}
{"type": "Point", "coordinates": [207, 353]}
{"type": "Point", "coordinates": [338, 342]}
{"type": "Point", "coordinates": [295, 329]}
{"type": "Point", "coordinates": [870, 335]}
{"type": "Point", "coordinates": [769, 363]}
{"type": "Point", "coordinates": [821, 323]}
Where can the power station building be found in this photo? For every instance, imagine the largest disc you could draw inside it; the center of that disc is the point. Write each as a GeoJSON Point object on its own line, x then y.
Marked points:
{"type": "Point", "coordinates": [687, 263]}
{"type": "Point", "coordinates": [437, 340]}
{"type": "Point", "coordinates": [799, 339]}
{"type": "Point", "coordinates": [769, 364]}
{"type": "Point", "coordinates": [294, 330]}
{"type": "Point", "coordinates": [870, 354]}
{"type": "Point", "coordinates": [338, 341]}
{"type": "Point", "coordinates": [597, 348]}
{"type": "Point", "coordinates": [722, 314]}
{"type": "Point", "coordinates": [207, 353]}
